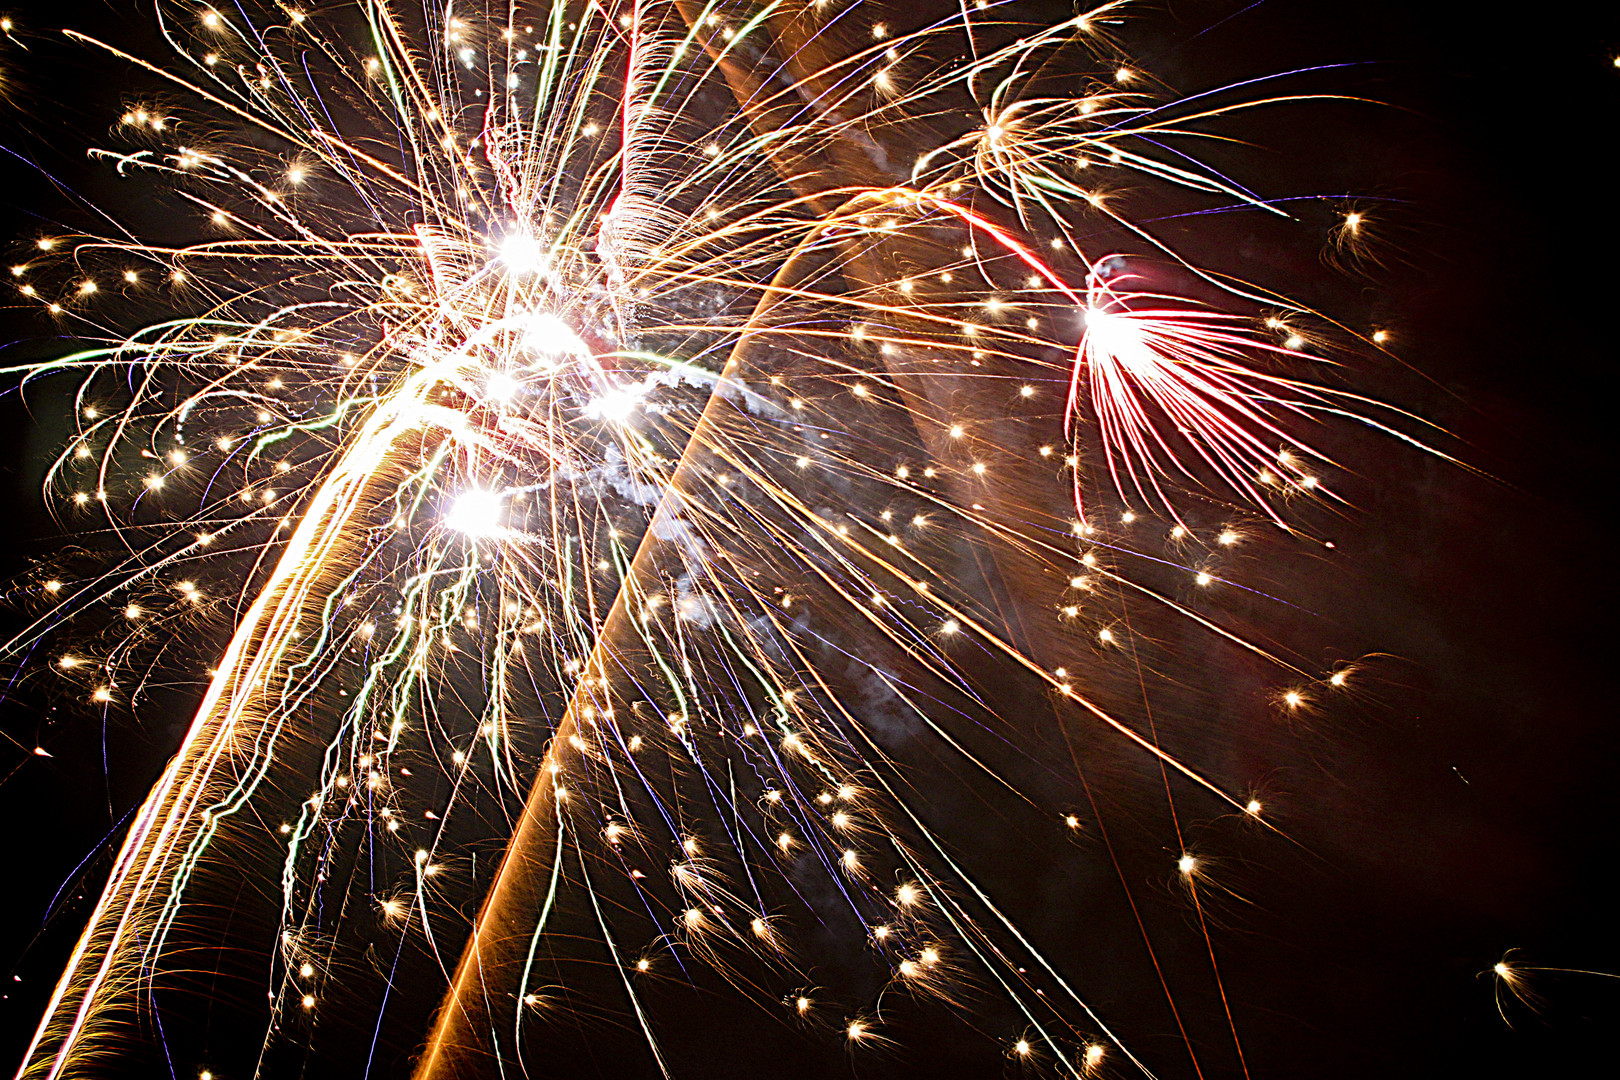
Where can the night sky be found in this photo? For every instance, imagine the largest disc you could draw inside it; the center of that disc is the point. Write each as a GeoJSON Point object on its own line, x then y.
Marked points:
{"type": "Point", "coordinates": [1459, 808]}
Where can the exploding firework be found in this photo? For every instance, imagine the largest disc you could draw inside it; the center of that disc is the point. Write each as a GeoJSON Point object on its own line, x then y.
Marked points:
{"type": "Point", "coordinates": [640, 450]}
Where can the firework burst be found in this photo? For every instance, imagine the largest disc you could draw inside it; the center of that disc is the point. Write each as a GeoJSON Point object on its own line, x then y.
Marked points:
{"type": "Point", "coordinates": [623, 435]}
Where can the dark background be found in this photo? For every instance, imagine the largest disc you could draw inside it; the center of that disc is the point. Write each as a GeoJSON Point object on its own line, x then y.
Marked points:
{"type": "Point", "coordinates": [1470, 800]}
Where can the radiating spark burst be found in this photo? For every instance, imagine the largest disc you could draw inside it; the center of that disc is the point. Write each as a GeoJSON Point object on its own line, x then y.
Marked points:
{"type": "Point", "coordinates": [547, 365]}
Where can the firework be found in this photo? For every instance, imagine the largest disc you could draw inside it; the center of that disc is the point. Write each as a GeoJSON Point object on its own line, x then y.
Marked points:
{"type": "Point", "coordinates": [627, 434]}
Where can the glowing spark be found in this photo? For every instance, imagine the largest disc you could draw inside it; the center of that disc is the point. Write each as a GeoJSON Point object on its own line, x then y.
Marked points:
{"type": "Point", "coordinates": [476, 512]}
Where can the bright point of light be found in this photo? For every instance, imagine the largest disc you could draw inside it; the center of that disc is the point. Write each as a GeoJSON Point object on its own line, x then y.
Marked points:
{"type": "Point", "coordinates": [1112, 333]}
{"type": "Point", "coordinates": [522, 253]}
{"type": "Point", "coordinates": [551, 340]}
{"type": "Point", "coordinates": [501, 387]}
{"type": "Point", "coordinates": [475, 512]}
{"type": "Point", "coordinates": [614, 406]}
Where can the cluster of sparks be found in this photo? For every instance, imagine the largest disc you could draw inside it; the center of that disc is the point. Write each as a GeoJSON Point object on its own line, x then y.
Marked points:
{"type": "Point", "coordinates": [582, 409]}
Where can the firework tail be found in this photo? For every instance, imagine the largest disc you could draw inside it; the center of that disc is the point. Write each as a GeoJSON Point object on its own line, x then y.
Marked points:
{"type": "Point", "coordinates": [226, 751]}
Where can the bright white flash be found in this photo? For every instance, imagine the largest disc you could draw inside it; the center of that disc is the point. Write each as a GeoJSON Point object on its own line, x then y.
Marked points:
{"type": "Point", "coordinates": [1100, 323]}
{"type": "Point", "coordinates": [616, 405]}
{"type": "Point", "coordinates": [522, 253]}
{"type": "Point", "coordinates": [501, 387]}
{"type": "Point", "coordinates": [551, 340]}
{"type": "Point", "coordinates": [475, 512]}
{"type": "Point", "coordinates": [1119, 337]}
